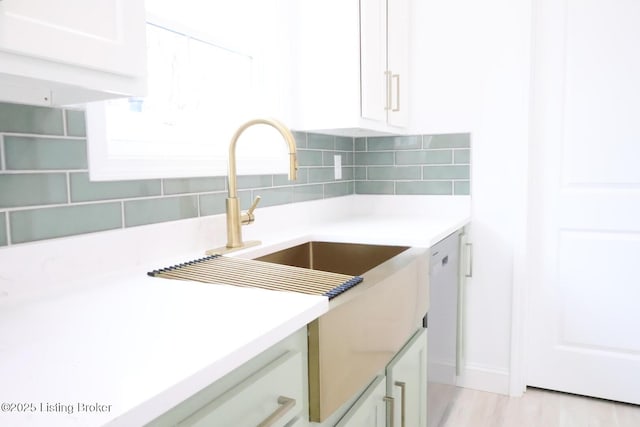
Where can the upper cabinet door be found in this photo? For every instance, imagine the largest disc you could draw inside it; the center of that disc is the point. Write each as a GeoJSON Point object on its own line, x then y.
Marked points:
{"type": "Point", "coordinates": [373, 60]}
{"type": "Point", "coordinates": [384, 61]}
{"type": "Point", "coordinates": [55, 52]}
{"type": "Point", "coordinates": [398, 61]}
{"type": "Point", "coordinates": [103, 35]}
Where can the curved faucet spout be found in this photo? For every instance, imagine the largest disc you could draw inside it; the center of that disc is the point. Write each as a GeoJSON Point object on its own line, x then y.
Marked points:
{"type": "Point", "coordinates": [288, 138]}
{"type": "Point", "coordinates": [236, 218]}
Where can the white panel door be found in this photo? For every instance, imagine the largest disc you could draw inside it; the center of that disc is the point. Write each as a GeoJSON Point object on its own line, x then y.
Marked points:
{"type": "Point", "coordinates": [584, 321]}
{"type": "Point", "coordinates": [106, 35]}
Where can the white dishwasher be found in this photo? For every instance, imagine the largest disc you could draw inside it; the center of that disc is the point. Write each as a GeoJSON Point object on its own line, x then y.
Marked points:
{"type": "Point", "coordinates": [443, 329]}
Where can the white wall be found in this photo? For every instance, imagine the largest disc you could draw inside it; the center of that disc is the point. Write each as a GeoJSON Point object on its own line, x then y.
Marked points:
{"type": "Point", "coordinates": [472, 74]}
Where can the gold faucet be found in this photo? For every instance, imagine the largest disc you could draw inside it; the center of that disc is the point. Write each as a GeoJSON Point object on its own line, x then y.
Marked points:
{"type": "Point", "coordinates": [235, 218]}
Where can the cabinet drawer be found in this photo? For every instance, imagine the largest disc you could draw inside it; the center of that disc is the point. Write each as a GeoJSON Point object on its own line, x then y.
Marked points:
{"type": "Point", "coordinates": [274, 392]}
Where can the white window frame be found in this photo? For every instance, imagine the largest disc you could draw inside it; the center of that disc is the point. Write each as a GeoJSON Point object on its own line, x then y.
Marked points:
{"type": "Point", "coordinates": [267, 156]}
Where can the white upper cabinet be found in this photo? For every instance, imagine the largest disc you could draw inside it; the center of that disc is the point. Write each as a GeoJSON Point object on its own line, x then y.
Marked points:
{"type": "Point", "coordinates": [352, 59]}
{"type": "Point", "coordinates": [384, 60]}
{"type": "Point", "coordinates": [55, 52]}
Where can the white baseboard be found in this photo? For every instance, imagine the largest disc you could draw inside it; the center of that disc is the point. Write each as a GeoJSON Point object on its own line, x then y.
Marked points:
{"type": "Point", "coordinates": [484, 378]}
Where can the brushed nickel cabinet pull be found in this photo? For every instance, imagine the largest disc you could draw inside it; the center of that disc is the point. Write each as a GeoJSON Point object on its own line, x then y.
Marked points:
{"type": "Point", "coordinates": [403, 390]}
{"type": "Point", "coordinates": [397, 77]}
{"type": "Point", "coordinates": [286, 403]}
{"type": "Point", "coordinates": [390, 415]}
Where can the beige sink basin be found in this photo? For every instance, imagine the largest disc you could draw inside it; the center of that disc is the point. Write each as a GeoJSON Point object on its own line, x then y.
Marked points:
{"type": "Point", "coordinates": [366, 325]}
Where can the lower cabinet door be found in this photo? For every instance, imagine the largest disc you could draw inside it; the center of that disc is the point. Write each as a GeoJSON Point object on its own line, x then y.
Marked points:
{"type": "Point", "coordinates": [272, 397]}
{"type": "Point", "coordinates": [407, 382]}
{"type": "Point", "coordinates": [370, 409]}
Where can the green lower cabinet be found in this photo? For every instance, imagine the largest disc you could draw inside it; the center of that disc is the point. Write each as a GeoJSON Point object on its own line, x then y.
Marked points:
{"type": "Point", "coordinates": [270, 390]}
{"type": "Point", "coordinates": [272, 397]}
{"type": "Point", "coordinates": [407, 383]}
{"type": "Point", "coordinates": [399, 397]}
{"type": "Point", "coordinates": [370, 409]}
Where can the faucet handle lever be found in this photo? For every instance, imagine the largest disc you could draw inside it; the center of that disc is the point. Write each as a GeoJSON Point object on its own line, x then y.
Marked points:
{"type": "Point", "coordinates": [247, 217]}
{"type": "Point", "coordinates": [254, 206]}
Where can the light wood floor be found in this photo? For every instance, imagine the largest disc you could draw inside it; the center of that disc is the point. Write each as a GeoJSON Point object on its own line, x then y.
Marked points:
{"type": "Point", "coordinates": [537, 408]}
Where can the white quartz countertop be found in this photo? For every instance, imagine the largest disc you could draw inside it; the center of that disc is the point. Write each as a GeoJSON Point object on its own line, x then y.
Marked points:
{"type": "Point", "coordinates": [134, 347]}
{"type": "Point", "coordinates": [122, 348]}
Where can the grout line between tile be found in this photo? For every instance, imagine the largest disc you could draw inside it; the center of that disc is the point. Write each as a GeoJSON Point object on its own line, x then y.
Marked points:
{"type": "Point", "coordinates": [68, 177]}
{"type": "Point", "coordinates": [3, 154]}
{"type": "Point", "coordinates": [122, 217]}
{"type": "Point", "coordinates": [65, 131]}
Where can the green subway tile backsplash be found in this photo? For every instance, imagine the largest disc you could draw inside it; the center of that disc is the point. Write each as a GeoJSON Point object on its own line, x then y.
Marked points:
{"type": "Point", "coordinates": [375, 187]}
{"type": "Point", "coordinates": [318, 141]}
{"type": "Point", "coordinates": [462, 156]}
{"type": "Point", "coordinates": [30, 189]}
{"type": "Point", "coordinates": [274, 196]}
{"type": "Point", "coordinates": [424, 157]}
{"type": "Point", "coordinates": [301, 139]}
{"type": "Point", "coordinates": [445, 172]}
{"type": "Point", "coordinates": [212, 204]}
{"type": "Point", "coordinates": [328, 158]}
{"type": "Point", "coordinates": [337, 189]}
{"type": "Point", "coordinates": [37, 153]}
{"type": "Point", "coordinates": [424, 187]}
{"type": "Point", "coordinates": [462, 188]}
{"type": "Point", "coordinates": [344, 143]}
{"type": "Point", "coordinates": [151, 211]}
{"type": "Point", "coordinates": [394, 143]}
{"type": "Point", "coordinates": [48, 223]}
{"type": "Point", "coordinates": [393, 172]}
{"type": "Point", "coordinates": [84, 190]}
{"type": "Point", "coordinates": [76, 125]}
{"type": "Point", "coordinates": [255, 181]}
{"type": "Point", "coordinates": [310, 158]}
{"type": "Point", "coordinates": [302, 178]}
{"type": "Point", "coordinates": [17, 118]}
{"type": "Point", "coordinates": [454, 140]}
{"type": "Point", "coordinates": [373, 158]}
{"type": "Point", "coordinates": [320, 175]}
{"type": "Point", "coordinates": [43, 161]}
{"type": "Point", "coordinates": [303, 193]}
{"type": "Point", "coordinates": [193, 185]}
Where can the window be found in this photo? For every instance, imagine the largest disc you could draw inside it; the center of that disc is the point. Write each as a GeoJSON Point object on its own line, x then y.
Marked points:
{"type": "Point", "coordinates": [202, 85]}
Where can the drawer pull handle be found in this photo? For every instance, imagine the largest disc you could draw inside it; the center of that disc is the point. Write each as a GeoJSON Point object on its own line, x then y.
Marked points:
{"type": "Point", "coordinates": [286, 403]}
{"type": "Point", "coordinates": [403, 390]}
{"type": "Point", "coordinates": [390, 407]}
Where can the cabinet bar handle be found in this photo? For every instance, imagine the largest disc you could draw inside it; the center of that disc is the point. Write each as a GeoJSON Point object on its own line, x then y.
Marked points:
{"type": "Point", "coordinates": [286, 403]}
{"type": "Point", "coordinates": [390, 415]}
{"type": "Point", "coordinates": [403, 390]}
{"type": "Point", "coordinates": [397, 77]}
